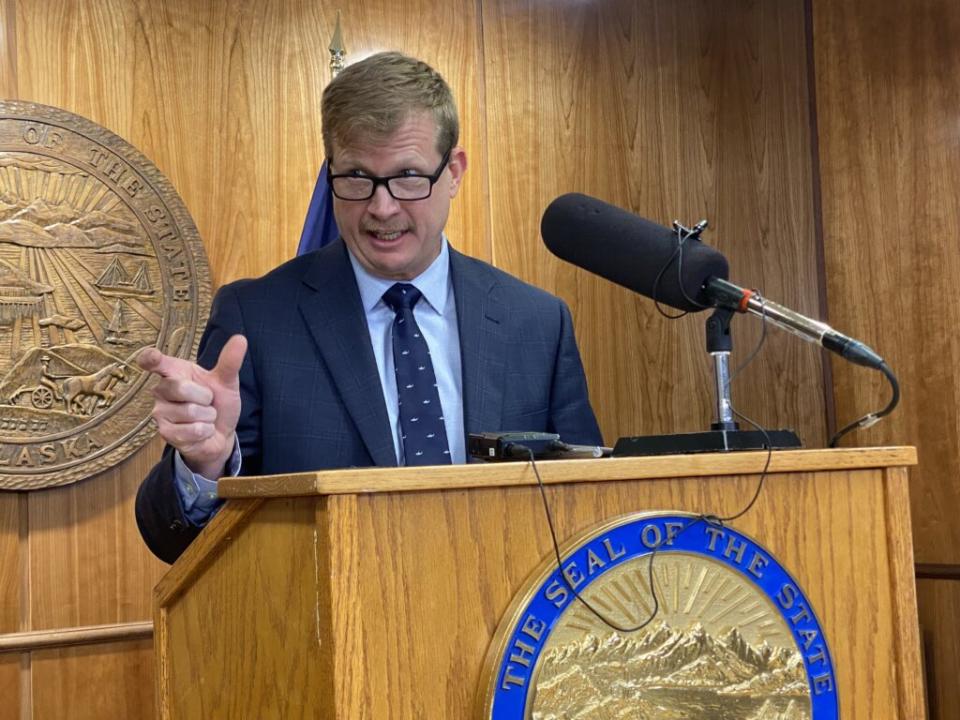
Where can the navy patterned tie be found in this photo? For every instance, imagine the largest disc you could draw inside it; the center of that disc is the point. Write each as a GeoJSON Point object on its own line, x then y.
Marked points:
{"type": "Point", "coordinates": [421, 417]}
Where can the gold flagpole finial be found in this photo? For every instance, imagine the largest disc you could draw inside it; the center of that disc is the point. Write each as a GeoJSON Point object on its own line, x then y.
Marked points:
{"type": "Point", "coordinates": [338, 52]}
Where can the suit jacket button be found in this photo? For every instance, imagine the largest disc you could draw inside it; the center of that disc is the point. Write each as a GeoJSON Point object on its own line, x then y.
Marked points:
{"type": "Point", "coordinates": [176, 525]}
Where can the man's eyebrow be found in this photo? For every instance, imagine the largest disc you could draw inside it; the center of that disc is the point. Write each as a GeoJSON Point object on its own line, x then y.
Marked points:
{"type": "Point", "coordinates": [417, 165]}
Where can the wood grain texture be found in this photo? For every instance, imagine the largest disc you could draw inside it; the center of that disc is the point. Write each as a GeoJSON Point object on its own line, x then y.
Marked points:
{"type": "Point", "coordinates": [88, 565]}
{"type": "Point", "coordinates": [339, 554]}
{"type": "Point", "coordinates": [939, 603]}
{"type": "Point", "coordinates": [90, 635]}
{"type": "Point", "coordinates": [473, 566]}
{"type": "Point", "coordinates": [11, 587]}
{"type": "Point", "coordinates": [888, 89]}
{"type": "Point", "coordinates": [8, 49]}
{"type": "Point", "coordinates": [223, 97]}
{"type": "Point", "coordinates": [10, 566]}
{"type": "Point", "coordinates": [683, 110]}
{"type": "Point", "coordinates": [479, 475]}
{"type": "Point", "coordinates": [12, 601]}
{"type": "Point", "coordinates": [424, 579]}
{"type": "Point", "coordinates": [218, 661]}
{"type": "Point", "coordinates": [94, 682]}
{"type": "Point", "coordinates": [904, 595]}
{"type": "Point", "coordinates": [10, 687]}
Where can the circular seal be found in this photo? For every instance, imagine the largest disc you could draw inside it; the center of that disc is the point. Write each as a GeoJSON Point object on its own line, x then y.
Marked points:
{"type": "Point", "coordinates": [98, 259]}
{"type": "Point", "coordinates": [733, 637]}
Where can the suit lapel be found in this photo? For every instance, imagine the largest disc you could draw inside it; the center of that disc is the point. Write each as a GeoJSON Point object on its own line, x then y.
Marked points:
{"type": "Point", "coordinates": [482, 320]}
{"type": "Point", "coordinates": [334, 314]}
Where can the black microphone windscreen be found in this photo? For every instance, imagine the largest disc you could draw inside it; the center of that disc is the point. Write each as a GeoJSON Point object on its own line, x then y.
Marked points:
{"type": "Point", "coordinates": [630, 251]}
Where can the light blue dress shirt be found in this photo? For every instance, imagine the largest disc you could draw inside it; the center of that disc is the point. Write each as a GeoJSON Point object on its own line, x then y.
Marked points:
{"type": "Point", "coordinates": [436, 314]}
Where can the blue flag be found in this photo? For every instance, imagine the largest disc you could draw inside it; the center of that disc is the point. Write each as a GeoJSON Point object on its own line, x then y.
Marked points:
{"type": "Point", "coordinates": [320, 228]}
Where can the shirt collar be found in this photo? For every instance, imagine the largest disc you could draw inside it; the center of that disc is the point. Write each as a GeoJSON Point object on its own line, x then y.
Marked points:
{"type": "Point", "coordinates": [433, 283]}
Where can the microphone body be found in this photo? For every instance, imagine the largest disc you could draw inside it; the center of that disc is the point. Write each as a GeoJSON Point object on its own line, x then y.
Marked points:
{"type": "Point", "coordinates": [630, 251]}
{"type": "Point", "coordinates": [643, 256]}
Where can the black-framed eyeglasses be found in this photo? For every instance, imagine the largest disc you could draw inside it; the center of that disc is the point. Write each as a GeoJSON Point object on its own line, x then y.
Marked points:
{"type": "Point", "coordinates": [401, 187]}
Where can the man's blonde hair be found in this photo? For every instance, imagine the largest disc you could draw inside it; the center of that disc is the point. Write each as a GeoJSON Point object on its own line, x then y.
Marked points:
{"type": "Point", "coordinates": [372, 98]}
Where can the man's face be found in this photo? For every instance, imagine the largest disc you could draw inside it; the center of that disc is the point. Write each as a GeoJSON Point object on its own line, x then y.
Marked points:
{"type": "Point", "coordinates": [397, 239]}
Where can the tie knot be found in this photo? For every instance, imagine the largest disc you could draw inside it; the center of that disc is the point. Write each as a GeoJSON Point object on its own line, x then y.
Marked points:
{"type": "Point", "coordinates": [401, 296]}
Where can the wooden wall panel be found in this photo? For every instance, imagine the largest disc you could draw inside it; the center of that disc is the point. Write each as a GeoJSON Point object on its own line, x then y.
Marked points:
{"type": "Point", "coordinates": [88, 565]}
{"type": "Point", "coordinates": [939, 605]}
{"type": "Point", "coordinates": [683, 110]}
{"type": "Point", "coordinates": [95, 682]}
{"type": "Point", "coordinates": [11, 606]}
{"type": "Point", "coordinates": [11, 586]}
{"type": "Point", "coordinates": [888, 99]}
{"type": "Point", "coordinates": [8, 49]}
{"type": "Point", "coordinates": [223, 97]}
{"type": "Point", "coordinates": [10, 566]}
{"type": "Point", "coordinates": [10, 687]}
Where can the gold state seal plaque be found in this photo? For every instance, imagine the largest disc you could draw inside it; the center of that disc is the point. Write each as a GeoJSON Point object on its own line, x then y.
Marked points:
{"type": "Point", "coordinates": [98, 259]}
{"type": "Point", "coordinates": [733, 638]}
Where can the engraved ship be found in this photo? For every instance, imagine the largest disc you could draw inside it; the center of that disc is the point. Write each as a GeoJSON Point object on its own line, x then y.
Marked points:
{"type": "Point", "coordinates": [117, 328]}
{"type": "Point", "coordinates": [114, 281]}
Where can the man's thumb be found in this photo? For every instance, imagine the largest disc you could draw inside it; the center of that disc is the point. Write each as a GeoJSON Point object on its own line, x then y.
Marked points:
{"type": "Point", "coordinates": [231, 358]}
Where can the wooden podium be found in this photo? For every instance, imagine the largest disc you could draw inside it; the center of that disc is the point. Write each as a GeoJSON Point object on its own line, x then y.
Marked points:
{"type": "Point", "coordinates": [374, 593]}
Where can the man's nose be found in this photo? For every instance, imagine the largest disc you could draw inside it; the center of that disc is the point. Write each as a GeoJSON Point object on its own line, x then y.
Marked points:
{"type": "Point", "coordinates": [382, 204]}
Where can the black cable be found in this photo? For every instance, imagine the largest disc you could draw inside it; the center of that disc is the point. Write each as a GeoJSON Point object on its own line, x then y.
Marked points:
{"type": "Point", "coordinates": [556, 552]}
{"type": "Point", "coordinates": [656, 284]}
{"type": "Point", "coordinates": [872, 418]}
{"type": "Point", "coordinates": [711, 520]}
{"type": "Point", "coordinates": [678, 256]}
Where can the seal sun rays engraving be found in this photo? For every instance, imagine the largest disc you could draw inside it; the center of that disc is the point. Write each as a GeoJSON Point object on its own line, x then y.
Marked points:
{"type": "Point", "coordinates": [98, 259]}
{"type": "Point", "coordinates": [717, 648]}
{"type": "Point", "coordinates": [732, 635]}
{"type": "Point", "coordinates": [64, 240]}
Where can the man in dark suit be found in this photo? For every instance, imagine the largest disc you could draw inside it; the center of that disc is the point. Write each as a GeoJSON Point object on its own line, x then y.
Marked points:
{"type": "Point", "coordinates": [385, 348]}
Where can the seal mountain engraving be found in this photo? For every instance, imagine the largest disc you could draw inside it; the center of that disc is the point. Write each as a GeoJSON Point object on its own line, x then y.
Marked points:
{"type": "Point", "coordinates": [98, 259]}
{"type": "Point", "coordinates": [696, 660]}
{"type": "Point", "coordinates": [733, 638]}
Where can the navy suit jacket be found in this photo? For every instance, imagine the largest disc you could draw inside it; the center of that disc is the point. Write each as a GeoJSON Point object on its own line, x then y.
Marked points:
{"type": "Point", "coordinates": [310, 389]}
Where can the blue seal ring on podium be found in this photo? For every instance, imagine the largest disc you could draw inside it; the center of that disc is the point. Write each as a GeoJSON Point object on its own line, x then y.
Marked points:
{"type": "Point", "coordinates": [734, 635]}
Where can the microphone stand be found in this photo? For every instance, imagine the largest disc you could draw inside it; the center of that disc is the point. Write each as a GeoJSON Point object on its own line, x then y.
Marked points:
{"type": "Point", "coordinates": [719, 345]}
{"type": "Point", "coordinates": [725, 434]}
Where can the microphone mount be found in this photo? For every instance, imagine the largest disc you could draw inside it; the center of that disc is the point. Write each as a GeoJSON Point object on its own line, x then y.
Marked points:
{"type": "Point", "coordinates": [725, 434]}
{"type": "Point", "coordinates": [690, 233]}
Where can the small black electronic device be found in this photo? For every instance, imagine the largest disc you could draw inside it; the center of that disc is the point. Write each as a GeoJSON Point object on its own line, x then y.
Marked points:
{"type": "Point", "coordinates": [512, 445]}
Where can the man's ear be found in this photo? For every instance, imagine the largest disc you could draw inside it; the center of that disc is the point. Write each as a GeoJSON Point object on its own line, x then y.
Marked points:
{"type": "Point", "coordinates": [457, 166]}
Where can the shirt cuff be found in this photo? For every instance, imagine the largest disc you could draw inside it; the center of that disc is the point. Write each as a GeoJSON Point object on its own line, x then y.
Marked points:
{"type": "Point", "coordinates": [198, 495]}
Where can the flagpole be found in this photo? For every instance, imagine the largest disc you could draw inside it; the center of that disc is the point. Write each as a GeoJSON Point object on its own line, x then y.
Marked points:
{"type": "Point", "coordinates": [320, 226]}
{"type": "Point", "coordinates": [338, 53]}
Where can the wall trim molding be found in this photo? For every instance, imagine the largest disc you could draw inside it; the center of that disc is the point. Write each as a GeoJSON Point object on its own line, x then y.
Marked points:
{"type": "Point", "coordinates": [934, 571]}
{"type": "Point", "coordinates": [67, 637]}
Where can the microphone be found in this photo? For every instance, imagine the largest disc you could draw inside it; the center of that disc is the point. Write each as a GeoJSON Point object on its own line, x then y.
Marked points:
{"type": "Point", "coordinates": [733, 297]}
{"type": "Point", "coordinates": [630, 251]}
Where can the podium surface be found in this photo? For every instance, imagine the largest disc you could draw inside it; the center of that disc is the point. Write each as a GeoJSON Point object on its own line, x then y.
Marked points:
{"type": "Point", "coordinates": [376, 592]}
